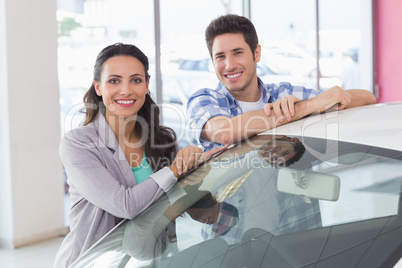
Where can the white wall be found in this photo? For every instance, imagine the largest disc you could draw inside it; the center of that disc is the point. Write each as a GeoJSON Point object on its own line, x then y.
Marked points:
{"type": "Point", "coordinates": [6, 227]}
{"type": "Point", "coordinates": [31, 182]}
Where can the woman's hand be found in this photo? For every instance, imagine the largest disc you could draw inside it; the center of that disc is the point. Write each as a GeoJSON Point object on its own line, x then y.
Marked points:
{"type": "Point", "coordinates": [189, 157]}
{"type": "Point", "coordinates": [186, 159]}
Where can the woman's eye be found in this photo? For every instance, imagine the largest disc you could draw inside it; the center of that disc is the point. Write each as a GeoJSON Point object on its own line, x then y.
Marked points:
{"type": "Point", "coordinates": [137, 80]}
{"type": "Point", "coordinates": [113, 81]}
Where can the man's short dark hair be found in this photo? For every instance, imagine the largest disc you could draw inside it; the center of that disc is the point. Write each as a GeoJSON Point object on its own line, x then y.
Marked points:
{"type": "Point", "coordinates": [231, 24]}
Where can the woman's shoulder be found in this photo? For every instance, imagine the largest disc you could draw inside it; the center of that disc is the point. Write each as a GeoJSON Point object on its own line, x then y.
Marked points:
{"type": "Point", "coordinates": [81, 135]}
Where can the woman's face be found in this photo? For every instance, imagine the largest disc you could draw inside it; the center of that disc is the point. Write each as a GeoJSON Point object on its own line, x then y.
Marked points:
{"type": "Point", "coordinates": [123, 86]}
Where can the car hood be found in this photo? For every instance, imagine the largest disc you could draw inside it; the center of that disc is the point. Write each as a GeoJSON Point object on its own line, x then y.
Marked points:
{"type": "Point", "coordinates": [351, 125]}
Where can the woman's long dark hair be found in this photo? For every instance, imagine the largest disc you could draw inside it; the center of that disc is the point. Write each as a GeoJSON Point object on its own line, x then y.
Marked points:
{"type": "Point", "coordinates": [160, 145]}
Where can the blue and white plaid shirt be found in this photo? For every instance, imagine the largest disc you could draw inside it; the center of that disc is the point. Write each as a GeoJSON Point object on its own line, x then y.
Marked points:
{"type": "Point", "coordinates": [207, 103]}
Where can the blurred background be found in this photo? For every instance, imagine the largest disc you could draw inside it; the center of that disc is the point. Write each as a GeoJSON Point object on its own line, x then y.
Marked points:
{"type": "Point", "coordinates": [304, 42]}
{"type": "Point", "coordinates": [48, 49]}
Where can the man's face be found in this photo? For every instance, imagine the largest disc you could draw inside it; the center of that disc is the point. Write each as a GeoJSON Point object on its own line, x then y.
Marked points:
{"type": "Point", "coordinates": [235, 65]}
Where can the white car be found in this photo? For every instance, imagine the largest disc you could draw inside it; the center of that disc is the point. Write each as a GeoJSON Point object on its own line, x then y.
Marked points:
{"type": "Point", "coordinates": [324, 191]}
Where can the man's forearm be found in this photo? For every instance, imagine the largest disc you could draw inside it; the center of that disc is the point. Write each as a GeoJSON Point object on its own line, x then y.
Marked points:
{"type": "Point", "coordinates": [227, 130]}
{"type": "Point", "coordinates": [361, 97]}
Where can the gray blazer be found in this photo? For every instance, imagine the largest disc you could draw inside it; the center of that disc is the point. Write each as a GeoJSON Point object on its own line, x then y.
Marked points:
{"type": "Point", "coordinates": [102, 188]}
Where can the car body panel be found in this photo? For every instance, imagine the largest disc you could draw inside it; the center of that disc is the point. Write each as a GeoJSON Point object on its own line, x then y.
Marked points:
{"type": "Point", "coordinates": [263, 224]}
{"type": "Point", "coordinates": [377, 124]}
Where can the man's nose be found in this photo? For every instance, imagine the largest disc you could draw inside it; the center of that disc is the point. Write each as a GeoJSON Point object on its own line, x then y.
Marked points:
{"type": "Point", "coordinates": [230, 63]}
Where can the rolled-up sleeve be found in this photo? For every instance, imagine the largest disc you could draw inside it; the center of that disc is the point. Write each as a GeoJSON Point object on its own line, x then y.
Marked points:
{"type": "Point", "coordinates": [203, 105]}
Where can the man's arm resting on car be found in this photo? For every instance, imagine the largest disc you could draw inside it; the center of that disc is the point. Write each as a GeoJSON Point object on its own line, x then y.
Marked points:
{"type": "Point", "coordinates": [227, 130]}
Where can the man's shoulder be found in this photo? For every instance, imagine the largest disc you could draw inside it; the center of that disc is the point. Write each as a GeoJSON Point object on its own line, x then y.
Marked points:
{"type": "Point", "coordinates": [272, 86]}
{"type": "Point", "coordinates": [206, 96]}
{"type": "Point", "coordinates": [268, 88]}
{"type": "Point", "coordinates": [208, 92]}
{"type": "Point", "coordinates": [283, 86]}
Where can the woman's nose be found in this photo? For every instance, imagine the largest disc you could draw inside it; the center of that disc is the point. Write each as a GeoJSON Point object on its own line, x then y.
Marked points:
{"type": "Point", "coordinates": [125, 88]}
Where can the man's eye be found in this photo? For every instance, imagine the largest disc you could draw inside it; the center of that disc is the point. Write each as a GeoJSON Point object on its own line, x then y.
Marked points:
{"type": "Point", "coordinates": [285, 153]}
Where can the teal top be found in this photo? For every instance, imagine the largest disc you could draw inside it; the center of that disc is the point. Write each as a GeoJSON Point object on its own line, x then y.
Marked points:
{"type": "Point", "coordinates": [143, 171]}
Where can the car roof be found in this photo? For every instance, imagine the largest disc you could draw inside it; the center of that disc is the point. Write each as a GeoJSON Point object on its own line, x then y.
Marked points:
{"type": "Point", "coordinates": [378, 125]}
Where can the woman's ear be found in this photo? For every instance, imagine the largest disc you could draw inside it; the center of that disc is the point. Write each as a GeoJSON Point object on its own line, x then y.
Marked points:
{"type": "Point", "coordinates": [97, 88]}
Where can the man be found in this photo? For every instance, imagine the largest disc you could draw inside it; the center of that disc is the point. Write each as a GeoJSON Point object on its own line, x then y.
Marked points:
{"type": "Point", "coordinates": [242, 105]}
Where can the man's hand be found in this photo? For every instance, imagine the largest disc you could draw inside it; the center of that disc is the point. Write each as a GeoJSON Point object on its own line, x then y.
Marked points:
{"type": "Point", "coordinates": [336, 98]}
{"type": "Point", "coordinates": [284, 106]}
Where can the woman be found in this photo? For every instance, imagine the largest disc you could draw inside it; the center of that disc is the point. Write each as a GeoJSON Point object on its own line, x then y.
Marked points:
{"type": "Point", "coordinates": [121, 160]}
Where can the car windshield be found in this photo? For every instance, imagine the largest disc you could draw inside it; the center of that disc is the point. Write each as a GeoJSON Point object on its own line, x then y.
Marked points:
{"type": "Point", "coordinates": [271, 200]}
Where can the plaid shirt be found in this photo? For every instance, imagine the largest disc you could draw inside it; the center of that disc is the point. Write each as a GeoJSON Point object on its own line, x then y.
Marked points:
{"type": "Point", "coordinates": [206, 103]}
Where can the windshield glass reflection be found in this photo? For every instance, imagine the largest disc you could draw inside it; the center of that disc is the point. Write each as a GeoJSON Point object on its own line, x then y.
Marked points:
{"type": "Point", "coordinates": [270, 186]}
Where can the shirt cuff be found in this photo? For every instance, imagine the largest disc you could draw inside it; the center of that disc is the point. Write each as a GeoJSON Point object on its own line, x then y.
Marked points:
{"type": "Point", "coordinates": [164, 178]}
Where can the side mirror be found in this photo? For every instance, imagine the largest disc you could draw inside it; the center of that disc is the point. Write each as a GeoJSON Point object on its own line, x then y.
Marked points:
{"type": "Point", "coordinates": [309, 184]}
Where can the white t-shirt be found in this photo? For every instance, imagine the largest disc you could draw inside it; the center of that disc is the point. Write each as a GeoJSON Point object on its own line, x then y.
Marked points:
{"type": "Point", "coordinates": [251, 106]}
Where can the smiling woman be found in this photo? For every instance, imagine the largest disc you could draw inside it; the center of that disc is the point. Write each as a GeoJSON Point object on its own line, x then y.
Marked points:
{"type": "Point", "coordinates": [121, 160]}
{"type": "Point", "coordinates": [123, 92]}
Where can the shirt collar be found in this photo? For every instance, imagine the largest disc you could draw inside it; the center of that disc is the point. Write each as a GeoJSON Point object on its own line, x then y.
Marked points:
{"type": "Point", "coordinates": [264, 90]}
{"type": "Point", "coordinates": [106, 134]}
{"type": "Point", "coordinates": [108, 138]}
{"type": "Point", "coordinates": [232, 101]}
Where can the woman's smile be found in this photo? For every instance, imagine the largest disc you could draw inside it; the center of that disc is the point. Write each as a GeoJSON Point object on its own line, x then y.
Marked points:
{"type": "Point", "coordinates": [125, 102]}
{"type": "Point", "coordinates": [123, 86]}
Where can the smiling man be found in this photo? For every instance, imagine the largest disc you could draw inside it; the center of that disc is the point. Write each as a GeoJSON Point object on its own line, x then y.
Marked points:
{"type": "Point", "coordinates": [242, 105]}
